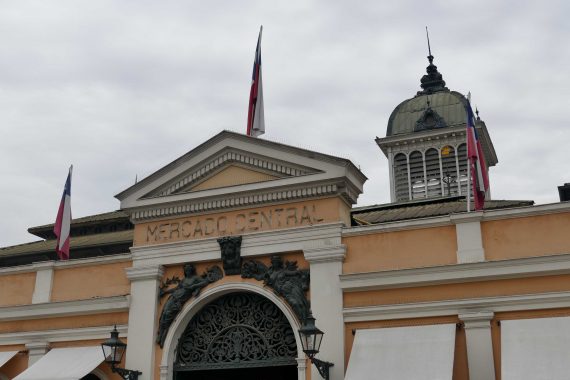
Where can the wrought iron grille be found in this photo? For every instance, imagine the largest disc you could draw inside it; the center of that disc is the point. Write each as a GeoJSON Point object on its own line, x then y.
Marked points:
{"type": "Point", "coordinates": [236, 331]}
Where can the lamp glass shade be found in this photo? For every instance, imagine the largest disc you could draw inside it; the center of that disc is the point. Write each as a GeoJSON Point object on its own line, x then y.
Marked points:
{"type": "Point", "coordinates": [311, 337]}
{"type": "Point", "coordinates": [113, 348]}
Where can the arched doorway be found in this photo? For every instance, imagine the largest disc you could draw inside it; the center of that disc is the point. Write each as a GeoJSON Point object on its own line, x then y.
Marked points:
{"type": "Point", "coordinates": [237, 336]}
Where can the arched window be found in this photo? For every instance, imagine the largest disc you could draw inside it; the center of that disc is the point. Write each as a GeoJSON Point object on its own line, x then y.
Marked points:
{"type": "Point", "coordinates": [449, 168]}
{"type": "Point", "coordinates": [401, 184]}
{"type": "Point", "coordinates": [417, 175]}
{"type": "Point", "coordinates": [433, 173]}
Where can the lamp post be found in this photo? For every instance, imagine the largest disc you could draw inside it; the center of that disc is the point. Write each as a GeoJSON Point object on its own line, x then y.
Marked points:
{"type": "Point", "coordinates": [113, 351]}
{"type": "Point", "coordinates": [311, 338]}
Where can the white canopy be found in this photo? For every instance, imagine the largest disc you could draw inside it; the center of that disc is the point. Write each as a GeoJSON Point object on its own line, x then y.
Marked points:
{"type": "Point", "coordinates": [5, 356]}
{"type": "Point", "coordinates": [64, 364]}
{"type": "Point", "coordinates": [535, 349]}
{"type": "Point", "coordinates": [417, 352]}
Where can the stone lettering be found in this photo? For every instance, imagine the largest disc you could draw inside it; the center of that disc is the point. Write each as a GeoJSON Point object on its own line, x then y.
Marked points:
{"type": "Point", "coordinates": [162, 229]}
{"type": "Point", "coordinates": [305, 217]}
{"type": "Point", "coordinates": [252, 221]}
{"type": "Point", "coordinates": [278, 212]}
{"type": "Point", "coordinates": [189, 224]}
{"type": "Point", "coordinates": [197, 228]}
{"type": "Point", "coordinates": [209, 226]}
{"type": "Point", "coordinates": [222, 225]}
{"type": "Point", "coordinates": [150, 232]}
{"type": "Point", "coordinates": [315, 219]}
{"type": "Point", "coordinates": [174, 227]}
{"type": "Point", "coordinates": [265, 219]}
{"type": "Point", "coordinates": [240, 222]}
{"type": "Point", "coordinates": [291, 216]}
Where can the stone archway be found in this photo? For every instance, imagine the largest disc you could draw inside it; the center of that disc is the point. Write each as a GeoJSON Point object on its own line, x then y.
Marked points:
{"type": "Point", "coordinates": [239, 335]}
{"type": "Point", "coordinates": [170, 364]}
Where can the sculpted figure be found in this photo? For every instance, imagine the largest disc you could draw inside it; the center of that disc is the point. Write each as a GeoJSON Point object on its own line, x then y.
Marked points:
{"type": "Point", "coordinates": [286, 280]}
{"type": "Point", "coordinates": [190, 286]}
{"type": "Point", "coordinates": [230, 246]}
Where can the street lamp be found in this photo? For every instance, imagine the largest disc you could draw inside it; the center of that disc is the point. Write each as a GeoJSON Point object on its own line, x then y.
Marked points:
{"type": "Point", "coordinates": [311, 338]}
{"type": "Point", "coordinates": [113, 351]}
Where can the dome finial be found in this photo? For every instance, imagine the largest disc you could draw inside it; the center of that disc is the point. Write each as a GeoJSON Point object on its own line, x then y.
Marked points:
{"type": "Point", "coordinates": [433, 81]}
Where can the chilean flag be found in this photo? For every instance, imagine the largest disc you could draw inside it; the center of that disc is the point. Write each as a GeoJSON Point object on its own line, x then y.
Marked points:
{"type": "Point", "coordinates": [476, 159]}
{"type": "Point", "coordinates": [255, 118]}
{"type": "Point", "coordinates": [63, 221]}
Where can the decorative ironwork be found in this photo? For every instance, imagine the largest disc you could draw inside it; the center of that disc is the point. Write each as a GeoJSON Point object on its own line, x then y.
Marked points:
{"type": "Point", "coordinates": [236, 331]}
{"type": "Point", "coordinates": [190, 286]}
{"type": "Point", "coordinates": [230, 247]}
{"type": "Point", "coordinates": [286, 280]}
{"type": "Point", "coordinates": [429, 120]}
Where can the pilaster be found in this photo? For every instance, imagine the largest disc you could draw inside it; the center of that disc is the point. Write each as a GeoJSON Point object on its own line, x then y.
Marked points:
{"type": "Point", "coordinates": [326, 303]}
{"type": "Point", "coordinates": [145, 282]}
{"type": "Point", "coordinates": [36, 350]}
{"type": "Point", "coordinates": [44, 281]}
{"type": "Point", "coordinates": [479, 344]}
{"type": "Point", "coordinates": [469, 239]}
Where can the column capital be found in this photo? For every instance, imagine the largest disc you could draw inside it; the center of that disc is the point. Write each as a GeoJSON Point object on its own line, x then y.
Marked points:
{"type": "Point", "coordinates": [477, 319]}
{"type": "Point", "coordinates": [147, 272]}
{"type": "Point", "coordinates": [325, 254]}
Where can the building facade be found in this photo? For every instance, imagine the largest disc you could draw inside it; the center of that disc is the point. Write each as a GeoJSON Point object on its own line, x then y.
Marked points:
{"type": "Point", "coordinates": [214, 262]}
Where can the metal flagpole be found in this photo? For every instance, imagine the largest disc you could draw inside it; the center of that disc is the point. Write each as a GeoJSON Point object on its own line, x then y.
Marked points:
{"type": "Point", "coordinates": [468, 195]}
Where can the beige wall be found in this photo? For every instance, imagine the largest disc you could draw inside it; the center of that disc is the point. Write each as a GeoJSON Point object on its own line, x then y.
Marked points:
{"type": "Point", "coordinates": [70, 322]}
{"type": "Point", "coordinates": [400, 249]}
{"type": "Point", "coordinates": [90, 281]}
{"type": "Point", "coordinates": [524, 237]}
{"type": "Point", "coordinates": [17, 289]}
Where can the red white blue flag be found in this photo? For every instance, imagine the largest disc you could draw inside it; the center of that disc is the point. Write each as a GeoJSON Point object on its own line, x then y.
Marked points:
{"type": "Point", "coordinates": [476, 159]}
{"type": "Point", "coordinates": [255, 117]}
{"type": "Point", "coordinates": [62, 225]}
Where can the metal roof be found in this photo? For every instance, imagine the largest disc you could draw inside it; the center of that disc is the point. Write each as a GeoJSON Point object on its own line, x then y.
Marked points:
{"type": "Point", "coordinates": [394, 212]}
{"type": "Point", "coordinates": [449, 105]}
{"type": "Point", "coordinates": [107, 217]}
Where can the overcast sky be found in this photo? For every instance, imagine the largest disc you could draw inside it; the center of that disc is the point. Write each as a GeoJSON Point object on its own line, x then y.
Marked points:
{"type": "Point", "coordinates": [121, 88]}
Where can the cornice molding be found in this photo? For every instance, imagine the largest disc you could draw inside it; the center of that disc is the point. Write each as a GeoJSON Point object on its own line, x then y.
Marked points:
{"type": "Point", "coordinates": [467, 272]}
{"type": "Point", "coordinates": [457, 218]}
{"type": "Point", "coordinates": [65, 308]}
{"type": "Point", "coordinates": [145, 272]}
{"type": "Point", "coordinates": [325, 254]}
{"type": "Point", "coordinates": [73, 263]}
{"type": "Point", "coordinates": [253, 244]}
{"type": "Point", "coordinates": [230, 156]}
{"type": "Point", "coordinates": [228, 202]}
{"type": "Point", "coordinates": [41, 337]}
{"type": "Point", "coordinates": [458, 307]}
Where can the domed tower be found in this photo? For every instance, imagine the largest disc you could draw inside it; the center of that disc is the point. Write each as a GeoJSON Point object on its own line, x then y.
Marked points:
{"type": "Point", "coordinates": [425, 142]}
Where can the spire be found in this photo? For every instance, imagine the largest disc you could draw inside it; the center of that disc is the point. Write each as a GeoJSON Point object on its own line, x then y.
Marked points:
{"type": "Point", "coordinates": [433, 80]}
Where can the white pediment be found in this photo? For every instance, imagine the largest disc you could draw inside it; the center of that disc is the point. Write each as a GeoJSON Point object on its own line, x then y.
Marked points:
{"type": "Point", "coordinates": [232, 170]}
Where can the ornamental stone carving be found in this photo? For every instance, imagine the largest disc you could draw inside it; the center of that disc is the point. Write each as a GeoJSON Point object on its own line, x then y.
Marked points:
{"type": "Point", "coordinates": [230, 246]}
{"type": "Point", "coordinates": [190, 286]}
{"type": "Point", "coordinates": [285, 279]}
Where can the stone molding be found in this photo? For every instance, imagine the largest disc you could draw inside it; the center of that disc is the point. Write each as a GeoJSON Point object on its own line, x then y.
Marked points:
{"type": "Point", "coordinates": [253, 244]}
{"type": "Point", "coordinates": [325, 254]}
{"type": "Point", "coordinates": [467, 272]}
{"type": "Point", "coordinates": [144, 272]}
{"type": "Point", "coordinates": [65, 308]}
{"type": "Point", "coordinates": [60, 335]}
{"type": "Point", "coordinates": [73, 263]}
{"type": "Point", "coordinates": [457, 307]}
{"type": "Point", "coordinates": [477, 319]}
{"type": "Point", "coordinates": [229, 202]}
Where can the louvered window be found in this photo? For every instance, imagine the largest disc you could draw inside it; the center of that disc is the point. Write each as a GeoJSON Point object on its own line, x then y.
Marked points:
{"type": "Point", "coordinates": [417, 175]}
{"type": "Point", "coordinates": [462, 153]}
{"type": "Point", "coordinates": [402, 185]}
{"type": "Point", "coordinates": [433, 173]}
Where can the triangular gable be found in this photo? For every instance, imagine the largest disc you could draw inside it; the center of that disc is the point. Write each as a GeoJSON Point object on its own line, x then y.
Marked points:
{"type": "Point", "coordinates": [234, 171]}
{"type": "Point", "coordinates": [232, 175]}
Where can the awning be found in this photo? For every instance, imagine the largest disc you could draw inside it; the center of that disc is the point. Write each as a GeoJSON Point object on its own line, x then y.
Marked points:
{"type": "Point", "coordinates": [64, 364]}
{"type": "Point", "coordinates": [5, 356]}
{"type": "Point", "coordinates": [535, 349]}
{"type": "Point", "coordinates": [417, 352]}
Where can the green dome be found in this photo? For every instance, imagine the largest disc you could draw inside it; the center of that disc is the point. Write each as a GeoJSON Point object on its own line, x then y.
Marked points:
{"type": "Point", "coordinates": [435, 110]}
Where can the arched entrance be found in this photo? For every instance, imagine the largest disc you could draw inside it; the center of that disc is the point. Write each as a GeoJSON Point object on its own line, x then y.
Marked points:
{"type": "Point", "coordinates": [237, 336]}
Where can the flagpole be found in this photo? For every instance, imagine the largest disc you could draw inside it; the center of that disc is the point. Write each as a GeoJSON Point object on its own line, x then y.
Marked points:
{"type": "Point", "coordinates": [468, 195]}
